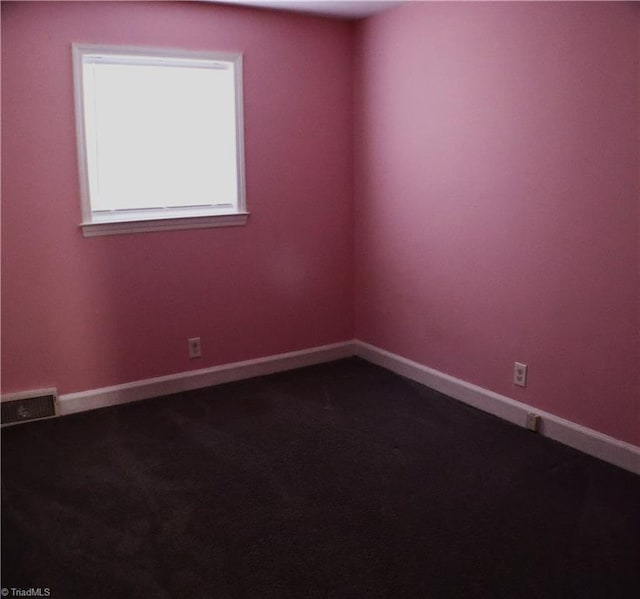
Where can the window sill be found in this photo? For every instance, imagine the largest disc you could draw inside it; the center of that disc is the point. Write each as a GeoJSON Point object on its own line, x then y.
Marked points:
{"type": "Point", "coordinates": [163, 224]}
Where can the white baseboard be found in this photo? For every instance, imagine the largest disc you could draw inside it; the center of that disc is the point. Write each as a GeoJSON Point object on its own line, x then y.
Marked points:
{"type": "Point", "coordinates": [584, 439]}
{"type": "Point", "coordinates": [589, 441]}
{"type": "Point", "coordinates": [71, 403]}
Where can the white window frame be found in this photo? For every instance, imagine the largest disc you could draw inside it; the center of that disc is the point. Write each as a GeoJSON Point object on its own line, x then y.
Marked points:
{"type": "Point", "coordinates": [124, 221]}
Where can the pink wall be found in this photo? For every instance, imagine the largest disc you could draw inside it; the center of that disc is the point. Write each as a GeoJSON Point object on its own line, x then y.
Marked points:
{"type": "Point", "coordinates": [84, 313]}
{"type": "Point", "coordinates": [497, 199]}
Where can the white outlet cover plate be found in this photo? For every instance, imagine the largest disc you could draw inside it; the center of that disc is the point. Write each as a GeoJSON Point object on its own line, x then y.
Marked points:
{"type": "Point", "coordinates": [195, 349]}
{"type": "Point", "coordinates": [520, 374]}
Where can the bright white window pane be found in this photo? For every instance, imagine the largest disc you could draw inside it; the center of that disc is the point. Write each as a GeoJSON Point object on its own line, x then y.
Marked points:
{"type": "Point", "coordinates": [164, 136]}
{"type": "Point", "coordinates": [160, 139]}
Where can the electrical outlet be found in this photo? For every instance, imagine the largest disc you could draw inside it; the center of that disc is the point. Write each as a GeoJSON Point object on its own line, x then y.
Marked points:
{"type": "Point", "coordinates": [533, 422]}
{"type": "Point", "coordinates": [520, 374]}
{"type": "Point", "coordinates": [195, 349]}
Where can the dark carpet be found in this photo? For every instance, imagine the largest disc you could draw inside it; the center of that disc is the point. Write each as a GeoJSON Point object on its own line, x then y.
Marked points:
{"type": "Point", "coordinates": [340, 480]}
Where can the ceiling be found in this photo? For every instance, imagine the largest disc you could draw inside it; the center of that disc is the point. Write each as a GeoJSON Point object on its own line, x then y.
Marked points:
{"type": "Point", "coordinates": [344, 9]}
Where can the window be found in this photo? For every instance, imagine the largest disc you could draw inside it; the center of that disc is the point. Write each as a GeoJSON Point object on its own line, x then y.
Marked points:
{"type": "Point", "coordinates": [160, 139]}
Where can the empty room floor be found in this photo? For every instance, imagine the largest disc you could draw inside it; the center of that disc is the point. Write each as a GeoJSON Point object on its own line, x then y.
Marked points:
{"type": "Point", "coordinates": [338, 480]}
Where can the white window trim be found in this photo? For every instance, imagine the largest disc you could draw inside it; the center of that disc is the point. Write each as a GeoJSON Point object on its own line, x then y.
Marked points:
{"type": "Point", "coordinates": [91, 226]}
